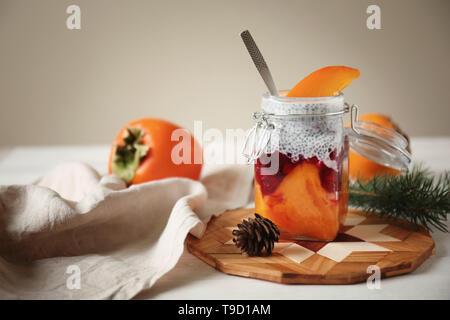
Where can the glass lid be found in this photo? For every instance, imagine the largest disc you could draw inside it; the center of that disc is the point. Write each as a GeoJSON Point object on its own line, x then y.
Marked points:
{"type": "Point", "coordinates": [382, 145]}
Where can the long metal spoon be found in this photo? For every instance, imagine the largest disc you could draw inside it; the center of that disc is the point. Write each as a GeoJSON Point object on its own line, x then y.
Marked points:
{"type": "Point", "coordinates": [259, 62]}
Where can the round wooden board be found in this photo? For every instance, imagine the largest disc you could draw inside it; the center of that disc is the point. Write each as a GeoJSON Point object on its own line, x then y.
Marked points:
{"type": "Point", "coordinates": [396, 247]}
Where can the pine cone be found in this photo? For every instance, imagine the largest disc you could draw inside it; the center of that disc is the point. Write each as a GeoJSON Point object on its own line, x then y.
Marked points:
{"type": "Point", "coordinates": [256, 236]}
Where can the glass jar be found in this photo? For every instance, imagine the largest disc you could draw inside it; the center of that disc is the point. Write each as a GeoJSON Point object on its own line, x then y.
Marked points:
{"type": "Point", "coordinates": [300, 151]}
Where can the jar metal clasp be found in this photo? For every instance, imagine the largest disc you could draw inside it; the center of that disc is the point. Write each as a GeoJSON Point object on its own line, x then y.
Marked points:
{"type": "Point", "coordinates": [258, 138]}
{"type": "Point", "coordinates": [354, 110]}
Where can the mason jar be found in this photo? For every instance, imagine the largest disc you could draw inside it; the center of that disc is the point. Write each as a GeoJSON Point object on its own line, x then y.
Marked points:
{"type": "Point", "coordinates": [300, 147]}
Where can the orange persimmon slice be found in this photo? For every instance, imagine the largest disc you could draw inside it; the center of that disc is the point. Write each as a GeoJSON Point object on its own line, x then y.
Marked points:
{"type": "Point", "coordinates": [301, 205]}
{"type": "Point", "coordinates": [325, 82]}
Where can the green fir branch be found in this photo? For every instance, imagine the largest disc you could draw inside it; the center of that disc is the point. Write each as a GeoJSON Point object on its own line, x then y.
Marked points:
{"type": "Point", "coordinates": [416, 196]}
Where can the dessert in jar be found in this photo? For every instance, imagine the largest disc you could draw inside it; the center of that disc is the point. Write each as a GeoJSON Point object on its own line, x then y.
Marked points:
{"type": "Point", "coordinates": [300, 147]}
{"type": "Point", "coordinates": [301, 181]}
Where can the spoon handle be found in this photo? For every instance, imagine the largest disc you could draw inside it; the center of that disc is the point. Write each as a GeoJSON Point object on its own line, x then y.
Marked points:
{"type": "Point", "coordinates": [259, 62]}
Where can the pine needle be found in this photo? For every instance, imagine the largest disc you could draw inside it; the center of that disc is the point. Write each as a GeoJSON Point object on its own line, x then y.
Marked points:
{"type": "Point", "coordinates": [416, 196]}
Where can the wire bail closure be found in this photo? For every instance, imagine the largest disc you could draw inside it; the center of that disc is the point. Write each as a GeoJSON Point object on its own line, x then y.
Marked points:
{"type": "Point", "coordinates": [354, 111]}
{"type": "Point", "coordinates": [258, 138]}
{"type": "Point", "coordinates": [261, 135]}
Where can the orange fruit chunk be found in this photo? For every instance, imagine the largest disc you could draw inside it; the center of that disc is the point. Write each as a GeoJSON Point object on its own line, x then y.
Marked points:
{"type": "Point", "coordinates": [302, 206]}
{"type": "Point", "coordinates": [325, 82]}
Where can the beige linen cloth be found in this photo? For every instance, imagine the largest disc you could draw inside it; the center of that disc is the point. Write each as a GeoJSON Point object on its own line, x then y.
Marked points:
{"type": "Point", "coordinates": [118, 240]}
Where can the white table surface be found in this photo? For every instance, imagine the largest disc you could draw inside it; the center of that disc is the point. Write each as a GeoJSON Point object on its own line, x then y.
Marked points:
{"type": "Point", "coordinates": [194, 279]}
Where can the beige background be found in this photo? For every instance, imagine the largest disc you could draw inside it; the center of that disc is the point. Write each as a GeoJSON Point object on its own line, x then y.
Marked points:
{"type": "Point", "coordinates": [184, 61]}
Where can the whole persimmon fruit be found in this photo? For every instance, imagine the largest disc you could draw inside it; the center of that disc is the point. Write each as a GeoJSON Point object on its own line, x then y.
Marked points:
{"type": "Point", "coordinates": [364, 169]}
{"type": "Point", "coordinates": [150, 149]}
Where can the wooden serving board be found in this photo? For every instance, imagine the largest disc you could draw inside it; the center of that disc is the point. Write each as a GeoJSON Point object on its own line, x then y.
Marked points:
{"type": "Point", "coordinates": [396, 247]}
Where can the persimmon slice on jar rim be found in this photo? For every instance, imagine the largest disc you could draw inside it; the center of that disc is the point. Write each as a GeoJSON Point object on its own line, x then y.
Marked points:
{"type": "Point", "coordinates": [325, 82]}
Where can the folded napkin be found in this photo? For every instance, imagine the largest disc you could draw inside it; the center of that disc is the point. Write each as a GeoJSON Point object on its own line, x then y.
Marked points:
{"type": "Point", "coordinates": [76, 235]}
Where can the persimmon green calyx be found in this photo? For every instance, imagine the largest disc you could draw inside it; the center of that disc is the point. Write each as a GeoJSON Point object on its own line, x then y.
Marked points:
{"type": "Point", "coordinates": [127, 158]}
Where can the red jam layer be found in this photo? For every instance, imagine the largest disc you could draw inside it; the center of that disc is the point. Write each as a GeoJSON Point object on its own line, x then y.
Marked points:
{"type": "Point", "coordinates": [330, 180]}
